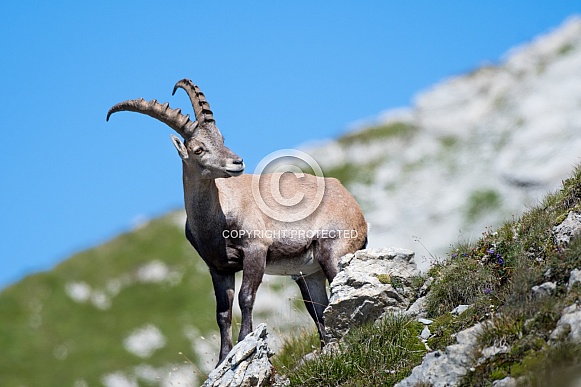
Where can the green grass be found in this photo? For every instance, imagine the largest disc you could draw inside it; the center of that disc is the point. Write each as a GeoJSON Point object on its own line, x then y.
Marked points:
{"type": "Point", "coordinates": [566, 48]}
{"type": "Point", "coordinates": [379, 132]}
{"type": "Point", "coordinates": [47, 339]}
{"type": "Point", "coordinates": [449, 142]}
{"type": "Point", "coordinates": [294, 348]}
{"type": "Point", "coordinates": [348, 173]}
{"type": "Point", "coordinates": [462, 282]}
{"type": "Point", "coordinates": [371, 355]}
{"type": "Point", "coordinates": [446, 325]}
{"type": "Point", "coordinates": [482, 201]}
{"type": "Point", "coordinates": [559, 365]}
{"type": "Point", "coordinates": [496, 275]}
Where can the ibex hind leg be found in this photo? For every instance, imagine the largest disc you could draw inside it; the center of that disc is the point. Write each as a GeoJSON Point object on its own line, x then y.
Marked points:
{"type": "Point", "coordinates": [314, 287]}
{"type": "Point", "coordinates": [329, 251]}
{"type": "Point", "coordinates": [314, 292]}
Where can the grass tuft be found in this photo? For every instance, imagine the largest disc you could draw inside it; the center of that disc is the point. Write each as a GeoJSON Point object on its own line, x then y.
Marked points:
{"type": "Point", "coordinates": [374, 354]}
{"type": "Point", "coordinates": [295, 347]}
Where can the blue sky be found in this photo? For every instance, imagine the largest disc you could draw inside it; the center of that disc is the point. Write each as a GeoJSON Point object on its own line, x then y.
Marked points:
{"type": "Point", "coordinates": [277, 74]}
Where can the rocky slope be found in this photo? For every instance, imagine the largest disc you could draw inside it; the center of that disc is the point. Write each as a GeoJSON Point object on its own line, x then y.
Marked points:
{"type": "Point", "coordinates": [502, 311]}
{"type": "Point", "coordinates": [472, 151]}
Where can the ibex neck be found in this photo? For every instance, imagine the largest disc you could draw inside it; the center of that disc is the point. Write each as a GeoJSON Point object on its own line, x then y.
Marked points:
{"type": "Point", "coordinates": [201, 198]}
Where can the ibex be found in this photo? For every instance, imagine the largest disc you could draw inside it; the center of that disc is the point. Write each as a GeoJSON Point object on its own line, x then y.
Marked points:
{"type": "Point", "coordinates": [230, 229]}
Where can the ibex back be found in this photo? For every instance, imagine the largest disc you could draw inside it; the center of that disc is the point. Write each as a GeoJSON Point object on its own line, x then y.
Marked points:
{"type": "Point", "coordinates": [231, 230]}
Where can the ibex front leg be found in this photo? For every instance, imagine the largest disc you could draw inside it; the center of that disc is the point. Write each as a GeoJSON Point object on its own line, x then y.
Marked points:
{"type": "Point", "coordinates": [254, 264]}
{"type": "Point", "coordinates": [224, 290]}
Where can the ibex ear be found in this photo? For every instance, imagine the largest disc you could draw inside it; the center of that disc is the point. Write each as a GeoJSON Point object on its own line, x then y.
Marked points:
{"type": "Point", "coordinates": [182, 151]}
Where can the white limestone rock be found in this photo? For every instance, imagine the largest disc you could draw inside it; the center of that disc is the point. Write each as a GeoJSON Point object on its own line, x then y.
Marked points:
{"type": "Point", "coordinates": [246, 365]}
{"type": "Point", "coordinates": [370, 283]}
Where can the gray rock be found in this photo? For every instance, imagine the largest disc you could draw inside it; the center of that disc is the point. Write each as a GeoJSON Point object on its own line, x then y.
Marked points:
{"type": "Point", "coordinates": [548, 273]}
{"type": "Point", "coordinates": [417, 309]}
{"type": "Point", "coordinates": [574, 278]}
{"type": "Point", "coordinates": [246, 365]}
{"type": "Point", "coordinates": [506, 382]}
{"type": "Point", "coordinates": [425, 321]}
{"type": "Point", "coordinates": [569, 325]}
{"type": "Point", "coordinates": [446, 368]}
{"type": "Point", "coordinates": [569, 229]}
{"type": "Point", "coordinates": [461, 309]}
{"type": "Point", "coordinates": [370, 283]}
{"type": "Point", "coordinates": [545, 289]}
{"type": "Point", "coordinates": [281, 381]}
{"type": "Point", "coordinates": [489, 352]}
{"type": "Point", "coordinates": [426, 286]}
{"type": "Point", "coordinates": [425, 333]}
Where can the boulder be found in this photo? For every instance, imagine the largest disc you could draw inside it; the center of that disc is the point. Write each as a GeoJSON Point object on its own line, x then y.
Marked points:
{"type": "Point", "coordinates": [506, 382]}
{"type": "Point", "coordinates": [370, 283]}
{"type": "Point", "coordinates": [418, 308]}
{"type": "Point", "coordinates": [574, 278]}
{"type": "Point", "coordinates": [246, 365]}
{"type": "Point", "coordinates": [544, 290]}
{"type": "Point", "coordinates": [568, 229]}
{"type": "Point", "coordinates": [569, 325]}
{"type": "Point", "coordinates": [448, 367]}
{"type": "Point", "coordinates": [460, 309]}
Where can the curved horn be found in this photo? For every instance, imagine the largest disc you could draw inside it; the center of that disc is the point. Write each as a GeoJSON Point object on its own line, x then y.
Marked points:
{"type": "Point", "coordinates": [198, 100]}
{"type": "Point", "coordinates": [172, 118]}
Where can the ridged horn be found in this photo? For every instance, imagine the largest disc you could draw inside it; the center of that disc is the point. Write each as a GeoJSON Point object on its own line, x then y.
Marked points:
{"type": "Point", "coordinates": [162, 112]}
{"type": "Point", "coordinates": [198, 99]}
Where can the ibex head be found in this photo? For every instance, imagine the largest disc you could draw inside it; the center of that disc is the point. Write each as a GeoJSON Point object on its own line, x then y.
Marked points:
{"type": "Point", "coordinates": [203, 147]}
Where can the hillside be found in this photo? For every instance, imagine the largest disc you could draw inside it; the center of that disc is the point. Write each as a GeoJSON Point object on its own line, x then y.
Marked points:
{"type": "Point", "coordinates": [502, 311]}
{"type": "Point", "coordinates": [472, 151]}
{"type": "Point", "coordinates": [138, 309]}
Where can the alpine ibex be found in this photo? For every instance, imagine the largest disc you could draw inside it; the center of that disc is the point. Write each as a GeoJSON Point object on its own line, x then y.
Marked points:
{"type": "Point", "coordinates": [232, 229]}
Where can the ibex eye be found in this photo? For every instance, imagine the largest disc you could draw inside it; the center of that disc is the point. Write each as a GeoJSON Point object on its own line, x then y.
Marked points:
{"type": "Point", "coordinates": [198, 151]}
